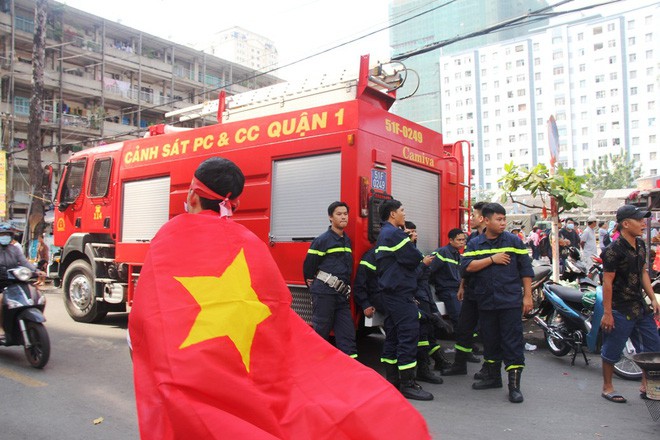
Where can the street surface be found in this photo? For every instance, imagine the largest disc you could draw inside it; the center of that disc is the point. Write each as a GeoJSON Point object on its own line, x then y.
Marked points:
{"type": "Point", "coordinates": [89, 378]}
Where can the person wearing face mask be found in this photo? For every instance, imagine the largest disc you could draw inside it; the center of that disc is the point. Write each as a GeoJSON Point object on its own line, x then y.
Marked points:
{"type": "Point", "coordinates": [10, 257]}
{"type": "Point", "coordinates": [568, 237]}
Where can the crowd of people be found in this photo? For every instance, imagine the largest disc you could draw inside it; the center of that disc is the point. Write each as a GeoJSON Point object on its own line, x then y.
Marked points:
{"type": "Point", "coordinates": [478, 277]}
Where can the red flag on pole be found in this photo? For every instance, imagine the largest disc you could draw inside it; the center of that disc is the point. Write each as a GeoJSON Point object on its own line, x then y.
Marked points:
{"type": "Point", "coordinates": [219, 353]}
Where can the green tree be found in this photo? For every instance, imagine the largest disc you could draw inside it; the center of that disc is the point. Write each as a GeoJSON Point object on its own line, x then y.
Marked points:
{"type": "Point", "coordinates": [613, 171]}
{"type": "Point", "coordinates": [565, 186]}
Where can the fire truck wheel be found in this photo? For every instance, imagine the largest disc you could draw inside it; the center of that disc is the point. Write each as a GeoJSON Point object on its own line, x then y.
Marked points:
{"type": "Point", "coordinates": [79, 297]}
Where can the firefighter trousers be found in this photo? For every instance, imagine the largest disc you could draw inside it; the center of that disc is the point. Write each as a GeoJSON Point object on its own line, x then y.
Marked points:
{"type": "Point", "coordinates": [502, 334]}
{"type": "Point", "coordinates": [332, 312]}
{"type": "Point", "coordinates": [401, 331]}
{"type": "Point", "coordinates": [468, 319]}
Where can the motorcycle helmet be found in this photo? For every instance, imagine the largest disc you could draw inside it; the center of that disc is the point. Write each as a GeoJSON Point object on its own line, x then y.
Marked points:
{"type": "Point", "coordinates": [574, 253]}
{"type": "Point", "coordinates": [6, 233]}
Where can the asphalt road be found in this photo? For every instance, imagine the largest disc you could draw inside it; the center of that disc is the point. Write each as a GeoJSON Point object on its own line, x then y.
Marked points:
{"type": "Point", "coordinates": [89, 378]}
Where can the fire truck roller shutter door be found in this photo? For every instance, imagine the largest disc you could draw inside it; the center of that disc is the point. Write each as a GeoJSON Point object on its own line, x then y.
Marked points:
{"type": "Point", "coordinates": [302, 189]}
{"type": "Point", "coordinates": [418, 190]}
{"type": "Point", "coordinates": [146, 206]}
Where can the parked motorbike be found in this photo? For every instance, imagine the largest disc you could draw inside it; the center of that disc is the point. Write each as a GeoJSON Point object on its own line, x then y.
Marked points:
{"type": "Point", "coordinates": [572, 322]}
{"type": "Point", "coordinates": [22, 313]}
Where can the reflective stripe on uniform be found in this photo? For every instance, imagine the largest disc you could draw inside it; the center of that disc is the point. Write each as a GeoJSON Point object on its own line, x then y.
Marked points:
{"type": "Point", "coordinates": [514, 367]}
{"type": "Point", "coordinates": [408, 366]}
{"type": "Point", "coordinates": [463, 349]}
{"type": "Point", "coordinates": [354, 356]}
{"type": "Point", "coordinates": [393, 248]}
{"type": "Point", "coordinates": [388, 361]}
{"type": "Point", "coordinates": [368, 265]}
{"type": "Point", "coordinates": [447, 260]}
{"type": "Point", "coordinates": [423, 344]}
{"type": "Point", "coordinates": [434, 349]}
{"type": "Point", "coordinates": [495, 251]}
{"type": "Point", "coordinates": [329, 251]}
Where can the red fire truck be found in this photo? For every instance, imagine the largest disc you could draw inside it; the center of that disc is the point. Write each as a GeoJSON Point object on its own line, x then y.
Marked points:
{"type": "Point", "coordinates": [299, 152]}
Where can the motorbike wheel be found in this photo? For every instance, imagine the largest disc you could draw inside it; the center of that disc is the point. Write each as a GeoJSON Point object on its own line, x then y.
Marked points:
{"type": "Point", "coordinates": [79, 296]}
{"type": "Point", "coordinates": [38, 352]}
{"type": "Point", "coordinates": [537, 300]}
{"type": "Point", "coordinates": [556, 346]}
{"type": "Point", "coordinates": [626, 368]}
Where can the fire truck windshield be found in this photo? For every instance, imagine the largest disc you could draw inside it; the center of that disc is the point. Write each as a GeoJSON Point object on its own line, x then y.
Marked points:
{"type": "Point", "coordinates": [73, 181]}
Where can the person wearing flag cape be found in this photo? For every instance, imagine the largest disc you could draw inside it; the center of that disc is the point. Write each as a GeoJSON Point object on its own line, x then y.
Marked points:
{"type": "Point", "coordinates": [218, 352]}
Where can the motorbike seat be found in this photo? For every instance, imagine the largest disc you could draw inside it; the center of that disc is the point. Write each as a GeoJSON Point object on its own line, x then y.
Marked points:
{"type": "Point", "coordinates": [568, 294]}
{"type": "Point", "coordinates": [541, 272]}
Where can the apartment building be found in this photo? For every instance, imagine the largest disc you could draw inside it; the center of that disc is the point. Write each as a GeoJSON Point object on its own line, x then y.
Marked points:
{"type": "Point", "coordinates": [104, 82]}
{"type": "Point", "coordinates": [598, 75]}
{"type": "Point", "coordinates": [243, 47]}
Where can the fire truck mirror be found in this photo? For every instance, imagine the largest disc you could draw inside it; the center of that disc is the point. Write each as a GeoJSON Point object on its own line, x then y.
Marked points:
{"type": "Point", "coordinates": [375, 202]}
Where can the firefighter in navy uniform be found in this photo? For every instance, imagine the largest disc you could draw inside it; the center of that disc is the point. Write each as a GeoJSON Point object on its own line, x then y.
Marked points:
{"type": "Point", "coordinates": [498, 263]}
{"type": "Point", "coordinates": [365, 286]}
{"type": "Point", "coordinates": [327, 270]}
{"type": "Point", "coordinates": [397, 260]}
{"type": "Point", "coordinates": [468, 317]}
{"type": "Point", "coordinates": [429, 318]}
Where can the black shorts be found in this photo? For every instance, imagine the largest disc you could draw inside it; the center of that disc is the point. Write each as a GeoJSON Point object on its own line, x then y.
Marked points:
{"type": "Point", "coordinates": [42, 264]}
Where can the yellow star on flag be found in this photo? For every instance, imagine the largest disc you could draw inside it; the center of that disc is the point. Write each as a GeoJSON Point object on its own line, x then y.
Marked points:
{"type": "Point", "coordinates": [229, 307]}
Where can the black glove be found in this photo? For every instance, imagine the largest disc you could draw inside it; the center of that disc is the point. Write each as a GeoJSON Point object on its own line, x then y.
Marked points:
{"type": "Point", "coordinates": [440, 323]}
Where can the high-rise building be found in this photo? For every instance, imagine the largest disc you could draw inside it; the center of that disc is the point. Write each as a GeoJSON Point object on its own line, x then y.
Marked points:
{"type": "Point", "coordinates": [598, 75]}
{"type": "Point", "coordinates": [103, 82]}
{"type": "Point", "coordinates": [243, 47]}
{"type": "Point", "coordinates": [457, 18]}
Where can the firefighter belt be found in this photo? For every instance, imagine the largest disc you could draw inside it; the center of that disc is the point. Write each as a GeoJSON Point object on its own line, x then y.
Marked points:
{"type": "Point", "coordinates": [334, 282]}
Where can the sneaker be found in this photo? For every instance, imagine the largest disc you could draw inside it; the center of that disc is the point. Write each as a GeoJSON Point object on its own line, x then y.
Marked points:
{"type": "Point", "coordinates": [530, 347]}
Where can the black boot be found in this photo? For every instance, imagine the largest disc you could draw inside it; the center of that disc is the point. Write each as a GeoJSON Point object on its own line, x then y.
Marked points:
{"type": "Point", "coordinates": [471, 357]}
{"type": "Point", "coordinates": [441, 362]}
{"type": "Point", "coordinates": [481, 374]}
{"type": "Point", "coordinates": [424, 373]}
{"type": "Point", "coordinates": [459, 367]}
{"type": "Point", "coordinates": [493, 377]}
{"type": "Point", "coordinates": [411, 389]}
{"type": "Point", "coordinates": [515, 396]}
{"type": "Point", "coordinates": [392, 374]}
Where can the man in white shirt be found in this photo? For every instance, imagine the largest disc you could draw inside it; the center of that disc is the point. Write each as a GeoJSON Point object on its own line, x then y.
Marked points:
{"type": "Point", "coordinates": [588, 242]}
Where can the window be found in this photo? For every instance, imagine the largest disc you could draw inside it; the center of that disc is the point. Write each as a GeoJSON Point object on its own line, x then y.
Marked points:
{"type": "Point", "coordinates": [634, 124]}
{"type": "Point", "coordinates": [73, 181]}
{"type": "Point", "coordinates": [540, 136]}
{"type": "Point", "coordinates": [613, 76]}
{"type": "Point", "coordinates": [633, 90]}
{"type": "Point", "coordinates": [651, 139]}
{"type": "Point", "coordinates": [632, 57]}
{"type": "Point", "coordinates": [631, 41]}
{"type": "Point", "coordinates": [633, 107]}
{"type": "Point", "coordinates": [585, 131]}
{"type": "Point", "coordinates": [486, 157]}
{"type": "Point", "coordinates": [635, 140]}
{"type": "Point", "coordinates": [499, 156]}
{"type": "Point", "coordinates": [600, 78]}
{"type": "Point", "coordinates": [612, 60]}
{"type": "Point", "coordinates": [487, 172]}
{"type": "Point", "coordinates": [560, 101]}
{"type": "Point", "coordinates": [636, 157]}
{"type": "Point", "coordinates": [653, 155]}
{"type": "Point", "coordinates": [598, 46]}
{"type": "Point", "coordinates": [649, 54]}
{"type": "Point", "coordinates": [100, 177]}
{"type": "Point", "coordinates": [610, 27]}
{"type": "Point", "coordinates": [600, 94]}
{"type": "Point", "coordinates": [602, 142]}
{"type": "Point", "coordinates": [522, 107]}
{"type": "Point", "coordinates": [598, 30]}
{"type": "Point", "coordinates": [583, 67]}
{"type": "Point", "coordinates": [585, 146]}
{"type": "Point", "coordinates": [633, 74]}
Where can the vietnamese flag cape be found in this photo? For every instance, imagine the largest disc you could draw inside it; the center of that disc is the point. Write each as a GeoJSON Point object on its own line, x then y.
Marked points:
{"type": "Point", "coordinates": [218, 353]}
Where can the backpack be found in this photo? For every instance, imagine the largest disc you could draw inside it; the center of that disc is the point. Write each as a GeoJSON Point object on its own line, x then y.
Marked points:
{"type": "Point", "coordinates": [606, 240]}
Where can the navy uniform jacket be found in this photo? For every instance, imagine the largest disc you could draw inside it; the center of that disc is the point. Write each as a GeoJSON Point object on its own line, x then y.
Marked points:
{"type": "Point", "coordinates": [397, 260]}
{"type": "Point", "coordinates": [365, 285]}
{"type": "Point", "coordinates": [424, 293]}
{"type": "Point", "coordinates": [498, 286]}
{"type": "Point", "coordinates": [332, 254]}
{"type": "Point", "coordinates": [446, 269]}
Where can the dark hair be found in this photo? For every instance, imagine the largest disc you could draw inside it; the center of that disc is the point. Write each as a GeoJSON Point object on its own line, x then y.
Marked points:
{"type": "Point", "coordinates": [410, 225]}
{"type": "Point", "coordinates": [569, 219]}
{"type": "Point", "coordinates": [387, 207]}
{"type": "Point", "coordinates": [223, 177]}
{"type": "Point", "coordinates": [492, 208]}
{"type": "Point", "coordinates": [478, 206]}
{"type": "Point", "coordinates": [601, 224]}
{"type": "Point", "coordinates": [455, 233]}
{"type": "Point", "coordinates": [335, 205]}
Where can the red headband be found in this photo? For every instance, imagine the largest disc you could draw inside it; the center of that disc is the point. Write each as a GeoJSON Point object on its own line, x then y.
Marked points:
{"type": "Point", "coordinates": [204, 191]}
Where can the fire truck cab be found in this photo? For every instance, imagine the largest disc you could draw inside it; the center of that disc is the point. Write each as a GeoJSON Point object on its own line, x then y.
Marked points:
{"type": "Point", "coordinates": [299, 152]}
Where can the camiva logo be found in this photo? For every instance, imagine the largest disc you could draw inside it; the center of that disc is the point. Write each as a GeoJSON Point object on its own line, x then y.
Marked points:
{"type": "Point", "coordinates": [414, 156]}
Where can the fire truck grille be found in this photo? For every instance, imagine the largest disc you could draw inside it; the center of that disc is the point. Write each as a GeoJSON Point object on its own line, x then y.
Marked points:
{"type": "Point", "coordinates": [302, 302]}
